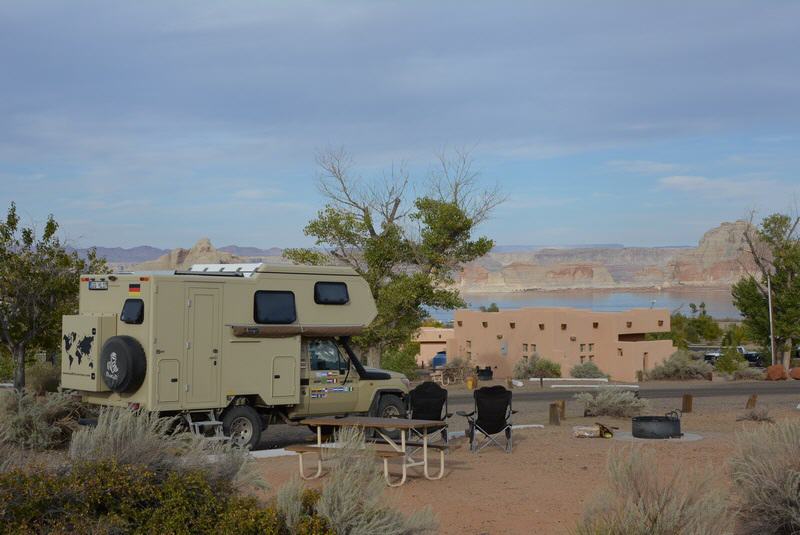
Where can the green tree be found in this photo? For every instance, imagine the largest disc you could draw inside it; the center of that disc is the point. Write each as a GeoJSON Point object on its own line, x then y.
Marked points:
{"type": "Point", "coordinates": [408, 248]}
{"type": "Point", "coordinates": [39, 282]}
{"type": "Point", "coordinates": [491, 308]}
{"type": "Point", "coordinates": [730, 361]}
{"type": "Point", "coordinates": [774, 248]}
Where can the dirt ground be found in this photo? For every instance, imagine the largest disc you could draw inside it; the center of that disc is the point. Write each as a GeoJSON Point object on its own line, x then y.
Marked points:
{"type": "Point", "coordinates": [543, 486]}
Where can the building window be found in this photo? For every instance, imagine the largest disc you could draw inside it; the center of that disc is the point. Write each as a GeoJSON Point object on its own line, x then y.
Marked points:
{"type": "Point", "coordinates": [469, 355]}
{"type": "Point", "coordinates": [629, 324]}
{"type": "Point", "coordinates": [460, 323]}
{"type": "Point", "coordinates": [485, 324]}
{"type": "Point", "coordinates": [591, 358]}
{"type": "Point", "coordinates": [619, 351]}
{"type": "Point", "coordinates": [534, 347]}
{"type": "Point", "coordinates": [274, 307]}
{"type": "Point", "coordinates": [591, 347]}
{"type": "Point", "coordinates": [660, 323]}
{"type": "Point", "coordinates": [563, 326]}
{"type": "Point", "coordinates": [525, 347]}
{"type": "Point", "coordinates": [582, 359]}
{"type": "Point", "coordinates": [595, 325]}
{"type": "Point", "coordinates": [512, 325]}
{"type": "Point", "coordinates": [583, 348]}
{"type": "Point", "coordinates": [469, 343]}
{"type": "Point", "coordinates": [541, 326]}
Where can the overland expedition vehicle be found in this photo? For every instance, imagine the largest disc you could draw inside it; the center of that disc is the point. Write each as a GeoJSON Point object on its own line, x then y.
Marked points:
{"type": "Point", "coordinates": [230, 348]}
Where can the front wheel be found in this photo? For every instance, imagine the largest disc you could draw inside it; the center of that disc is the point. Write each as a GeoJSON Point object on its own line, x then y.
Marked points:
{"type": "Point", "coordinates": [391, 406]}
{"type": "Point", "coordinates": [243, 425]}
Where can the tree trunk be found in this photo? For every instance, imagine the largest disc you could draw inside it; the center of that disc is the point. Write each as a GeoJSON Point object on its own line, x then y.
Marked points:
{"type": "Point", "coordinates": [374, 357]}
{"type": "Point", "coordinates": [18, 356]}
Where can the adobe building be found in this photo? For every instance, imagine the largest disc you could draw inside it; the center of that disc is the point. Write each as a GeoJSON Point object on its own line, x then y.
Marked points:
{"type": "Point", "coordinates": [615, 341]}
{"type": "Point", "coordinates": [431, 341]}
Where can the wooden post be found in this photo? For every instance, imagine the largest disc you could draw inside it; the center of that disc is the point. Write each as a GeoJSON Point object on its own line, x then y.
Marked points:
{"type": "Point", "coordinates": [554, 414]}
{"type": "Point", "coordinates": [687, 403]}
{"type": "Point", "coordinates": [751, 402]}
{"type": "Point", "coordinates": [541, 382]}
{"type": "Point", "coordinates": [562, 409]}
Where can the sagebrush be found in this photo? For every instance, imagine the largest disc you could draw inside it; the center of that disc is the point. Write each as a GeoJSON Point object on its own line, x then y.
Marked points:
{"type": "Point", "coordinates": [640, 501]}
{"type": "Point", "coordinates": [765, 468]}
{"type": "Point", "coordinates": [587, 370]}
{"type": "Point", "coordinates": [680, 365]}
{"type": "Point", "coordinates": [38, 422]}
{"type": "Point", "coordinates": [749, 374]}
{"type": "Point", "coordinates": [759, 414]}
{"type": "Point", "coordinates": [42, 377]}
{"type": "Point", "coordinates": [612, 402]}
{"type": "Point", "coordinates": [142, 438]}
{"type": "Point", "coordinates": [536, 366]}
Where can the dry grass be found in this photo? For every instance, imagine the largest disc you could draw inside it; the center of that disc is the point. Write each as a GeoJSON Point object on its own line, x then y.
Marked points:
{"type": "Point", "coordinates": [612, 402]}
{"type": "Point", "coordinates": [766, 472]}
{"type": "Point", "coordinates": [36, 422]}
{"type": "Point", "coordinates": [759, 414]}
{"type": "Point", "coordinates": [353, 499]}
{"type": "Point", "coordinates": [749, 374]}
{"type": "Point", "coordinates": [144, 439]}
{"type": "Point", "coordinates": [42, 377]}
{"type": "Point", "coordinates": [640, 502]}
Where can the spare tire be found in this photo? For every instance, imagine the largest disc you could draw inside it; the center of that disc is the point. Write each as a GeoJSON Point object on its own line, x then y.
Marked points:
{"type": "Point", "coordinates": [122, 364]}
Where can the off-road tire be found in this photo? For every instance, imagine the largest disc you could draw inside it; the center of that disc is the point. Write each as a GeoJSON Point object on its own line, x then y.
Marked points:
{"type": "Point", "coordinates": [122, 364]}
{"type": "Point", "coordinates": [243, 426]}
{"type": "Point", "coordinates": [391, 406]}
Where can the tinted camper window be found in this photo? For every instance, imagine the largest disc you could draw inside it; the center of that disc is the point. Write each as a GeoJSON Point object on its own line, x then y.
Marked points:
{"type": "Point", "coordinates": [274, 307]}
{"type": "Point", "coordinates": [132, 311]}
{"type": "Point", "coordinates": [331, 293]}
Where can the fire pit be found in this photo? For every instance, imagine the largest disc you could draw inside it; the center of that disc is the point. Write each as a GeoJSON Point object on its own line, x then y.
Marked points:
{"type": "Point", "coordinates": [667, 426]}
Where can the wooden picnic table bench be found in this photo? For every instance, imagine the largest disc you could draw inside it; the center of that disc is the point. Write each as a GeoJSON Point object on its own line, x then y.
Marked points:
{"type": "Point", "coordinates": [379, 425]}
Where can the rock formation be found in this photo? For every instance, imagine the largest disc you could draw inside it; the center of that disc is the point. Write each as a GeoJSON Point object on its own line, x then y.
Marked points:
{"type": "Point", "coordinates": [718, 260]}
{"type": "Point", "coordinates": [201, 253]}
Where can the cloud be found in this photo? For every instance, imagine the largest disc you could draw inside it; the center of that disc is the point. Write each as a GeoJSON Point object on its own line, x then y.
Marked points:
{"type": "Point", "coordinates": [644, 166]}
{"type": "Point", "coordinates": [719, 187]}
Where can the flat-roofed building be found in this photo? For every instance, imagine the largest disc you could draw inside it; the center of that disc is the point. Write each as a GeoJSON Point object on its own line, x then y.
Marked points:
{"type": "Point", "coordinates": [616, 342]}
{"type": "Point", "coordinates": [431, 341]}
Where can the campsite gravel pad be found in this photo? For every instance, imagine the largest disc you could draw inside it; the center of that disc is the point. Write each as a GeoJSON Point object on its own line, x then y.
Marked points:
{"type": "Point", "coordinates": [627, 437]}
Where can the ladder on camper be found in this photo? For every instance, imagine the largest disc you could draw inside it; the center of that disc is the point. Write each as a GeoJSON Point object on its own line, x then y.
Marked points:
{"type": "Point", "coordinates": [202, 423]}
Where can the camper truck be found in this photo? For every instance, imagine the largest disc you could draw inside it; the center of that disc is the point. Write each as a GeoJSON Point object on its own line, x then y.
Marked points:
{"type": "Point", "coordinates": [229, 348]}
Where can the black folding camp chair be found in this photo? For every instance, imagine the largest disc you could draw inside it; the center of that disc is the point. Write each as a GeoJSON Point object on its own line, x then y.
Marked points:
{"type": "Point", "coordinates": [428, 401]}
{"type": "Point", "coordinates": [492, 416]}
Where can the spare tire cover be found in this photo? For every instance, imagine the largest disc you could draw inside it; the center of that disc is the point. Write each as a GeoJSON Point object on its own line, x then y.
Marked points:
{"type": "Point", "coordinates": [122, 364]}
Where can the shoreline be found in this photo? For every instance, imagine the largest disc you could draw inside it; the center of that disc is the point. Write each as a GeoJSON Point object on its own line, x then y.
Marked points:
{"type": "Point", "coordinates": [637, 289]}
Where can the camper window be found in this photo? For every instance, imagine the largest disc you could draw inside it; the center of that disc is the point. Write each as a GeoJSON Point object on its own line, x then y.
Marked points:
{"type": "Point", "coordinates": [324, 355]}
{"type": "Point", "coordinates": [331, 293]}
{"type": "Point", "coordinates": [274, 307]}
{"type": "Point", "coordinates": [132, 311]}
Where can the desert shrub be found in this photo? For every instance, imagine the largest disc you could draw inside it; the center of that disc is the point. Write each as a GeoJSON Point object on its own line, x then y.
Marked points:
{"type": "Point", "coordinates": [142, 438]}
{"type": "Point", "coordinates": [523, 368]}
{"type": "Point", "coordinates": [749, 374]}
{"type": "Point", "coordinates": [587, 370]}
{"type": "Point", "coordinates": [730, 361]}
{"type": "Point", "coordinates": [759, 414]}
{"type": "Point", "coordinates": [680, 365]}
{"type": "Point", "coordinates": [403, 360]}
{"type": "Point", "coordinates": [42, 377]}
{"type": "Point", "coordinates": [546, 368]}
{"type": "Point", "coordinates": [353, 500]}
{"type": "Point", "coordinates": [612, 402]}
{"type": "Point", "coordinates": [38, 422]}
{"type": "Point", "coordinates": [457, 362]}
{"type": "Point", "coordinates": [766, 471]}
{"type": "Point", "coordinates": [112, 498]}
{"type": "Point", "coordinates": [638, 501]}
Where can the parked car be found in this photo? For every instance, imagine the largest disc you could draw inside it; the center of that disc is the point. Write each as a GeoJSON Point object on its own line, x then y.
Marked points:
{"type": "Point", "coordinates": [753, 357]}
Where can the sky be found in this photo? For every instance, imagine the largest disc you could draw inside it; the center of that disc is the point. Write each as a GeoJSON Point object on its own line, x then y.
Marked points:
{"type": "Point", "coordinates": [158, 123]}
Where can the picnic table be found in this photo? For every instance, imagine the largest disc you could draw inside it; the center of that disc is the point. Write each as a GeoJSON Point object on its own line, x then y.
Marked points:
{"type": "Point", "coordinates": [404, 449]}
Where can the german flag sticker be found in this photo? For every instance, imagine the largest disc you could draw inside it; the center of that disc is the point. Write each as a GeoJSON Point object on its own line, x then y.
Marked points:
{"type": "Point", "coordinates": [134, 290]}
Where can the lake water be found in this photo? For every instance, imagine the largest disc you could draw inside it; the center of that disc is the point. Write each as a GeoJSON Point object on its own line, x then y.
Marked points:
{"type": "Point", "coordinates": [718, 301]}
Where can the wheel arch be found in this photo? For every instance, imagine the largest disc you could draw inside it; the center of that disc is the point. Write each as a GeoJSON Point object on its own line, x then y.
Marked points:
{"type": "Point", "coordinates": [376, 397]}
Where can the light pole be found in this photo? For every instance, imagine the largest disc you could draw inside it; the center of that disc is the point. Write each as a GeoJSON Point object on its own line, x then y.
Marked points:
{"type": "Point", "coordinates": [771, 331]}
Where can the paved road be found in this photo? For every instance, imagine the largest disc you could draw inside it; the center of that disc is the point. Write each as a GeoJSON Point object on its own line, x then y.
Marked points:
{"type": "Point", "coordinates": [654, 390]}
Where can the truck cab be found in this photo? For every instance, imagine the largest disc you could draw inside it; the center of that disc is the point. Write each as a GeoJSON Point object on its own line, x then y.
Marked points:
{"type": "Point", "coordinates": [228, 348]}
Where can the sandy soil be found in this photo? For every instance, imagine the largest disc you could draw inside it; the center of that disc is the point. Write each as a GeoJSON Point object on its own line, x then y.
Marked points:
{"type": "Point", "coordinates": [543, 486]}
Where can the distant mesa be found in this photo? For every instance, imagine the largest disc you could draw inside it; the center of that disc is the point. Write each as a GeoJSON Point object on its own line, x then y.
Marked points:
{"type": "Point", "coordinates": [203, 252]}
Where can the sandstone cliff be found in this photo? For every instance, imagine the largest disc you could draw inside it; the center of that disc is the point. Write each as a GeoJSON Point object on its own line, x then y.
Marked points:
{"type": "Point", "coordinates": [718, 260]}
{"type": "Point", "coordinates": [201, 253]}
